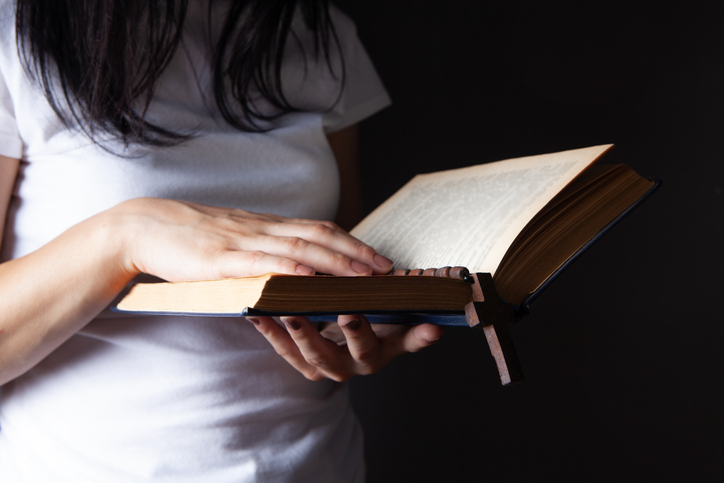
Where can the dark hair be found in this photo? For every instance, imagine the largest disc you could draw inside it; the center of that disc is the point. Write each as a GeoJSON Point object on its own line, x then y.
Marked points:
{"type": "Point", "coordinates": [98, 60]}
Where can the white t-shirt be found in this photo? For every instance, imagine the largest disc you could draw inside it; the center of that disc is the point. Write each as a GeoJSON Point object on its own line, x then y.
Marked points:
{"type": "Point", "coordinates": [177, 399]}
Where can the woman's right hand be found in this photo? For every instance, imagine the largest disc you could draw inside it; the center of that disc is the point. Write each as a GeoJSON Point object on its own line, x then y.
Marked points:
{"type": "Point", "coordinates": [177, 240]}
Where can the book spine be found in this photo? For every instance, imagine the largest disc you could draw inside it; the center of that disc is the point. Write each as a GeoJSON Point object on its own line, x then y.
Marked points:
{"type": "Point", "coordinates": [460, 273]}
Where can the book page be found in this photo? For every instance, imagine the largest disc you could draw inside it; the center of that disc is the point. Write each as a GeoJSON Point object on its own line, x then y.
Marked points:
{"type": "Point", "coordinates": [469, 216]}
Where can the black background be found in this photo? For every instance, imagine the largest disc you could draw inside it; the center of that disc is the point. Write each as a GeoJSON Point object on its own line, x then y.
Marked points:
{"type": "Point", "coordinates": [623, 354]}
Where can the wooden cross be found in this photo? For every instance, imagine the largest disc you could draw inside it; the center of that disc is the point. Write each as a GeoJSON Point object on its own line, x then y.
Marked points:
{"type": "Point", "coordinates": [493, 316]}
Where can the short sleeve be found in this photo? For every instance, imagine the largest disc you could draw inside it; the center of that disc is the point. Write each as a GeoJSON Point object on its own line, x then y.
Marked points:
{"type": "Point", "coordinates": [363, 93]}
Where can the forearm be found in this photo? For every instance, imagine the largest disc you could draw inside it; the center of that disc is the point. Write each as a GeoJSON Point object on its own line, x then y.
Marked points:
{"type": "Point", "coordinates": [50, 294]}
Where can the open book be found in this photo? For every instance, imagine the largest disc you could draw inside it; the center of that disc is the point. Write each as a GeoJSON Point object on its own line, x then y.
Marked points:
{"type": "Point", "coordinates": [521, 220]}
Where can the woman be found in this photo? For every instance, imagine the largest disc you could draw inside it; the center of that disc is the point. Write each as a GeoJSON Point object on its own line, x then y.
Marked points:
{"type": "Point", "coordinates": [184, 142]}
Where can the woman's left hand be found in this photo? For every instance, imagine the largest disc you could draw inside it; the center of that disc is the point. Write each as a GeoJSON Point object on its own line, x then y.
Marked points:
{"type": "Point", "coordinates": [363, 349]}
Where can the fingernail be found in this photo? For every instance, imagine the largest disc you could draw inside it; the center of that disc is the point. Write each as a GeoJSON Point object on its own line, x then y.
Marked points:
{"type": "Point", "coordinates": [382, 261]}
{"type": "Point", "coordinates": [304, 270]}
{"type": "Point", "coordinates": [359, 267]}
{"type": "Point", "coordinates": [432, 341]}
{"type": "Point", "coordinates": [292, 324]}
{"type": "Point", "coordinates": [254, 321]}
{"type": "Point", "coordinates": [353, 325]}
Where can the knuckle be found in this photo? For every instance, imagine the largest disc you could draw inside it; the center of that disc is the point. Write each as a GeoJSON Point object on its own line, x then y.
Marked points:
{"type": "Point", "coordinates": [341, 259]}
{"type": "Point", "coordinates": [300, 337]}
{"type": "Point", "coordinates": [224, 222]}
{"type": "Point", "coordinates": [293, 244]}
{"type": "Point", "coordinates": [255, 257]}
{"type": "Point", "coordinates": [367, 356]}
{"type": "Point", "coordinates": [264, 217]}
{"type": "Point", "coordinates": [329, 224]}
{"type": "Point", "coordinates": [321, 229]}
{"type": "Point", "coordinates": [317, 361]}
{"type": "Point", "coordinates": [364, 251]}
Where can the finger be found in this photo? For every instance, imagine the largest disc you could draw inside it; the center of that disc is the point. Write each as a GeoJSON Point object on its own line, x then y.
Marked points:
{"type": "Point", "coordinates": [319, 244]}
{"type": "Point", "coordinates": [307, 253]}
{"type": "Point", "coordinates": [362, 343]}
{"type": "Point", "coordinates": [331, 360]}
{"type": "Point", "coordinates": [336, 241]}
{"type": "Point", "coordinates": [241, 263]}
{"type": "Point", "coordinates": [421, 336]}
{"type": "Point", "coordinates": [285, 346]}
